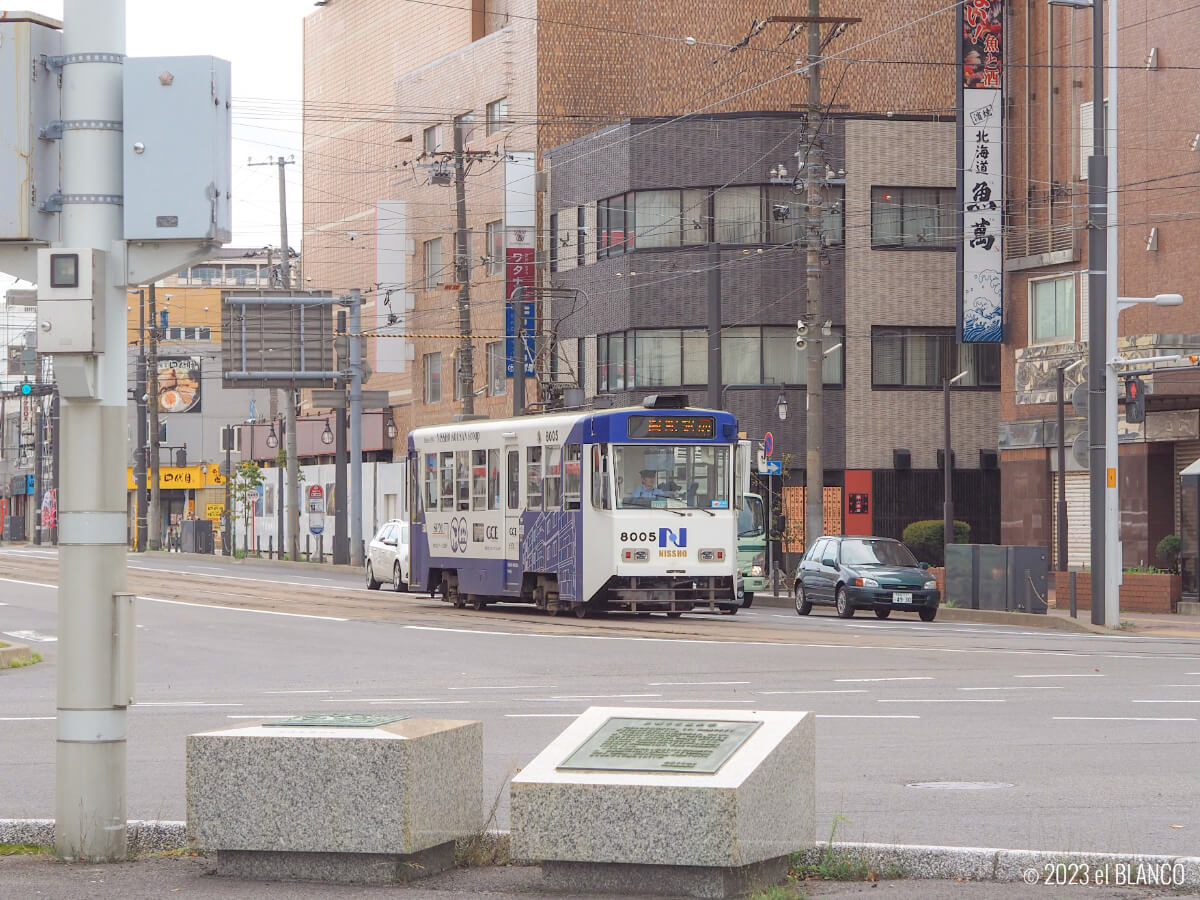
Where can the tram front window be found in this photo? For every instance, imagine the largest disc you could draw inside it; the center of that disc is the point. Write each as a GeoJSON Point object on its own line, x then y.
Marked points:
{"type": "Point", "coordinates": [671, 477]}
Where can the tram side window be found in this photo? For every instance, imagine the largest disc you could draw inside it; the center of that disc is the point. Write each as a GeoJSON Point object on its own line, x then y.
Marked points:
{"type": "Point", "coordinates": [572, 475]}
{"type": "Point", "coordinates": [514, 479]}
{"type": "Point", "coordinates": [463, 479]}
{"type": "Point", "coordinates": [479, 479]}
{"type": "Point", "coordinates": [493, 479]}
{"type": "Point", "coordinates": [533, 477]}
{"type": "Point", "coordinates": [431, 482]}
{"type": "Point", "coordinates": [600, 476]}
{"type": "Point", "coordinates": [553, 478]}
{"type": "Point", "coordinates": [447, 481]}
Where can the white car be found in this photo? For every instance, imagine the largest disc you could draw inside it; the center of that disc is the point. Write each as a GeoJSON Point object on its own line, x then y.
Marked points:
{"type": "Point", "coordinates": [387, 556]}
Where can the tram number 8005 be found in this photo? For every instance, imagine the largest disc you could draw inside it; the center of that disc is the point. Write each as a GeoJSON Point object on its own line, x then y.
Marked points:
{"type": "Point", "coordinates": [638, 536]}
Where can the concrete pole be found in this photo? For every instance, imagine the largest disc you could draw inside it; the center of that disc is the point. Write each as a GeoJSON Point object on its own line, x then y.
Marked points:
{"type": "Point", "coordinates": [356, 496]}
{"type": "Point", "coordinates": [814, 518]}
{"type": "Point", "coordinates": [154, 514]}
{"type": "Point", "coordinates": [140, 432]}
{"type": "Point", "coordinates": [464, 373]}
{"type": "Point", "coordinates": [1097, 323]}
{"type": "Point", "coordinates": [1113, 557]}
{"type": "Point", "coordinates": [292, 523]}
{"type": "Point", "coordinates": [91, 718]}
{"type": "Point", "coordinates": [947, 475]}
{"type": "Point", "coordinates": [518, 305]}
{"type": "Point", "coordinates": [1061, 504]}
{"type": "Point", "coordinates": [39, 439]}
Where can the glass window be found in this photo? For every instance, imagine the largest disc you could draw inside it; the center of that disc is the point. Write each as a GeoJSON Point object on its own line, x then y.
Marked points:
{"type": "Point", "coordinates": [902, 357]}
{"type": "Point", "coordinates": [431, 481]}
{"type": "Point", "coordinates": [1052, 310]}
{"type": "Point", "coordinates": [514, 479]}
{"type": "Point", "coordinates": [658, 214]}
{"type": "Point", "coordinates": [697, 216]}
{"type": "Point", "coordinates": [462, 459]}
{"type": "Point", "coordinates": [495, 247]}
{"type": "Point", "coordinates": [600, 499]}
{"type": "Point", "coordinates": [429, 139]}
{"type": "Point", "coordinates": [433, 377]}
{"type": "Point", "coordinates": [553, 480]}
{"type": "Point", "coordinates": [497, 373]}
{"type": "Point", "coordinates": [580, 234]}
{"type": "Point", "coordinates": [554, 243]}
{"type": "Point", "coordinates": [751, 519]}
{"type": "Point", "coordinates": [533, 477]}
{"type": "Point", "coordinates": [497, 115]}
{"type": "Point", "coordinates": [447, 481]}
{"type": "Point", "coordinates": [572, 476]}
{"type": "Point", "coordinates": [614, 218]}
{"type": "Point", "coordinates": [860, 552]}
{"type": "Point", "coordinates": [602, 363]}
{"type": "Point", "coordinates": [493, 478]}
{"type": "Point", "coordinates": [737, 214]}
{"type": "Point", "coordinates": [479, 479]}
{"type": "Point", "coordinates": [672, 477]}
{"type": "Point", "coordinates": [616, 362]}
{"type": "Point", "coordinates": [465, 126]}
{"type": "Point", "coordinates": [913, 218]}
{"type": "Point", "coordinates": [433, 263]}
{"type": "Point", "coordinates": [695, 356]}
{"type": "Point", "coordinates": [741, 361]}
{"type": "Point", "coordinates": [658, 358]}
{"type": "Point", "coordinates": [787, 215]}
{"type": "Point", "coordinates": [783, 363]}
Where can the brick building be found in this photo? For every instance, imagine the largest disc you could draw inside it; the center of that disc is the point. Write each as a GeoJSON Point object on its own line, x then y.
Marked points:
{"type": "Point", "coordinates": [1049, 79]}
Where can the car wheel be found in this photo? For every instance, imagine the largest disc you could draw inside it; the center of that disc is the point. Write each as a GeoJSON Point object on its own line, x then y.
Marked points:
{"type": "Point", "coordinates": [372, 584]}
{"type": "Point", "coordinates": [478, 602]}
{"type": "Point", "coordinates": [582, 611]}
{"type": "Point", "coordinates": [845, 609]}
{"type": "Point", "coordinates": [730, 610]}
{"type": "Point", "coordinates": [882, 612]}
{"type": "Point", "coordinates": [398, 583]}
{"type": "Point", "coordinates": [747, 599]}
{"type": "Point", "coordinates": [674, 615]}
{"type": "Point", "coordinates": [803, 607]}
{"type": "Point", "coordinates": [928, 615]}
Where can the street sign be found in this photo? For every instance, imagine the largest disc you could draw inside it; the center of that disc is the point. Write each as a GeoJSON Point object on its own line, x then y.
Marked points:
{"type": "Point", "coordinates": [770, 467]}
{"type": "Point", "coordinates": [316, 509]}
{"type": "Point", "coordinates": [322, 399]}
{"type": "Point", "coordinates": [252, 495]}
{"type": "Point", "coordinates": [769, 444]}
{"type": "Point", "coordinates": [214, 511]}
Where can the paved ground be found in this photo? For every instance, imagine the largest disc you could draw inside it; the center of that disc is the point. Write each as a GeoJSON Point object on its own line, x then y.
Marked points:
{"type": "Point", "coordinates": [39, 876]}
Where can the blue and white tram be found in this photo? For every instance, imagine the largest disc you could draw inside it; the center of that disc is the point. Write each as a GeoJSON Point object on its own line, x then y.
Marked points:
{"type": "Point", "coordinates": [604, 509]}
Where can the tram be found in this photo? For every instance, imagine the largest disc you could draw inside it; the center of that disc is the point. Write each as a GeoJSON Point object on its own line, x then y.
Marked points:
{"type": "Point", "coordinates": [583, 511]}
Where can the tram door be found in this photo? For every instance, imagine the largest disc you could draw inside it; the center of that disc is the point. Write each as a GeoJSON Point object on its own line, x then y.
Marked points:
{"type": "Point", "coordinates": [512, 517]}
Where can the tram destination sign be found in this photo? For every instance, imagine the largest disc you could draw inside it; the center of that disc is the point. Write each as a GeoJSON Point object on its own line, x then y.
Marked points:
{"type": "Point", "coordinates": [696, 427]}
{"type": "Point", "coordinates": [689, 746]}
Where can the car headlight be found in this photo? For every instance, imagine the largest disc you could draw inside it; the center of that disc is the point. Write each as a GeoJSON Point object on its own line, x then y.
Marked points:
{"type": "Point", "coordinates": [931, 585]}
{"type": "Point", "coordinates": [866, 582]}
{"type": "Point", "coordinates": [756, 571]}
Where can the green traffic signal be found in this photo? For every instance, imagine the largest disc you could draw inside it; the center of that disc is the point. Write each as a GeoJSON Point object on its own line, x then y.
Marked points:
{"type": "Point", "coordinates": [26, 389]}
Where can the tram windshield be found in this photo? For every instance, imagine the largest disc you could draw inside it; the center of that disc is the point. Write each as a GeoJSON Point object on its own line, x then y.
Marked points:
{"type": "Point", "coordinates": [671, 476]}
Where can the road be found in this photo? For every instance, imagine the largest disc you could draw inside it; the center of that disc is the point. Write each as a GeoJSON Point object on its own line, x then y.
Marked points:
{"type": "Point", "coordinates": [939, 733]}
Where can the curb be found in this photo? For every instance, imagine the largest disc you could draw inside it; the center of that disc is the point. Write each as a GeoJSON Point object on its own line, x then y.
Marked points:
{"type": "Point", "coordinates": [235, 561]}
{"type": "Point", "coordinates": [911, 861]}
{"type": "Point", "coordinates": [13, 653]}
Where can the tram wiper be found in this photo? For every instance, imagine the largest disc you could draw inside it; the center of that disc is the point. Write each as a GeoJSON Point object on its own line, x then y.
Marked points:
{"type": "Point", "coordinates": [707, 512]}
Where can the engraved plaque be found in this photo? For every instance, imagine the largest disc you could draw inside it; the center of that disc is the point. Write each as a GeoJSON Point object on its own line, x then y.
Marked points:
{"type": "Point", "coordinates": [337, 720]}
{"type": "Point", "coordinates": [690, 746]}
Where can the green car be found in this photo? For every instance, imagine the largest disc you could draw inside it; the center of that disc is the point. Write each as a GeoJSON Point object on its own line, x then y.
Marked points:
{"type": "Point", "coordinates": [855, 572]}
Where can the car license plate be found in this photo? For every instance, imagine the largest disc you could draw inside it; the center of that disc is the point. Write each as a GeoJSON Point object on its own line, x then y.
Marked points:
{"type": "Point", "coordinates": [902, 598]}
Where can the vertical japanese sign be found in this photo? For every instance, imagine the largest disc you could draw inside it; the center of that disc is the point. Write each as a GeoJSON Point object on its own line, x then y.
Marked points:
{"type": "Point", "coordinates": [393, 300]}
{"type": "Point", "coordinates": [981, 172]}
{"type": "Point", "coordinates": [519, 246]}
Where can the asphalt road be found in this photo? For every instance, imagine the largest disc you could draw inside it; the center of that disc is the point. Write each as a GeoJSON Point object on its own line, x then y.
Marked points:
{"type": "Point", "coordinates": [940, 733]}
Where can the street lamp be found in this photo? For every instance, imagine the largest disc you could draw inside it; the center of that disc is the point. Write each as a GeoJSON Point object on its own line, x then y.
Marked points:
{"type": "Point", "coordinates": [327, 434]}
{"type": "Point", "coordinates": [781, 407]}
{"type": "Point", "coordinates": [272, 440]}
{"type": "Point", "coordinates": [948, 467]}
{"type": "Point", "coordinates": [389, 424]}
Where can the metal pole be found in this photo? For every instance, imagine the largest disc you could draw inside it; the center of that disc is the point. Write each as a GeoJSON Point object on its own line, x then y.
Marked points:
{"type": "Point", "coordinates": [947, 474]}
{"type": "Point", "coordinates": [1061, 504]}
{"type": "Point", "coordinates": [356, 501]}
{"type": "Point", "coordinates": [94, 646]}
{"type": "Point", "coordinates": [814, 397]}
{"type": "Point", "coordinates": [227, 542]}
{"type": "Point", "coordinates": [714, 326]}
{"type": "Point", "coordinates": [285, 255]}
{"type": "Point", "coordinates": [518, 354]}
{"type": "Point", "coordinates": [464, 373]}
{"type": "Point", "coordinates": [1097, 322]}
{"type": "Point", "coordinates": [293, 480]}
{"type": "Point", "coordinates": [139, 467]}
{"type": "Point", "coordinates": [35, 510]}
{"type": "Point", "coordinates": [154, 515]}
{"type": "Point", "coordinates": [341, 540]}
{"type": "Point", "coordinates": [770, 537]}
{"type": "Point", "coordinates": [56, 469]}
{"type": "Point", "coordinates": [1112, 507]}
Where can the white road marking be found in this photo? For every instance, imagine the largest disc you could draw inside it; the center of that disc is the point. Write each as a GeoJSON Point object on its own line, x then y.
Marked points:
{"type": "Point", "coordinates": [1118, 719]}
{"type": "Point", "coordinates": [690, 683]}
{"type": "Point", "coordinates": [248, 578]}
{"type": "Point", "coordinates": [263, 612]}
{"type": "Point", "coordinates": [345, 691]}
{"type": "Point", "coordinates": [840, 690]}
{"type": "Point", "coordinates": [1065, 675]}
{"type": "Point", "coordinates": [29, 583]}
{"type": "Point", "coordinates": [1161, 685]}
{"type": "Point", "coordinates": [1020, 687]}
{"type": "Point", "coordinates": [183, 703]}
{"type": "Point", "coordinates": [540, 716]}
{"type": "Point", "coordinates": [600, 696]}
{"type": "Point", "coordinates": [432, 702]}
{"type": "Point", "coordinates": [940, 700]}
{"type": "Point", "coordinates": [27, 718]}
{"type": "Point", "coordinates": [503, 687]}
{"type": "Point", "coordinates": [256, 717]}
{"type": "Point", "coordinates": [1166, 701]}
{"type": "Point", "coordinates": [383, 700]}
{"type": "Point", "coordinates": [832, 716]}
{"type": "Point", "coordinates": [36, 636]}
{"type": "Point", "coordinates": [694, 700]}
{"type": "Point", "coordinates": [896, 678]}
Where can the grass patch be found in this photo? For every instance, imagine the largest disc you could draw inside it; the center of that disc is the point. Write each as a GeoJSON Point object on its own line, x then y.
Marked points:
{"type": "Point", "coordinates": [789, 891]}
{"type": "Point", "coordinates": [485, 847]}
{"type": "Point", "coordinates": [24, 850]}
{"type": "Point", "coordinates": [20, 663]}
{"type": "Point", "coordinates": [834, 865]}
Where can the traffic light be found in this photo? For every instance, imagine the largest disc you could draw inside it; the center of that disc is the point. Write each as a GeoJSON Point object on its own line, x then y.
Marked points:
{"type": "Point", "coordinates": [26, 389]}
{"type": "Point", "coordinates": [1135, 400]}
{"type": "Point", "coordinates": [162, 432]}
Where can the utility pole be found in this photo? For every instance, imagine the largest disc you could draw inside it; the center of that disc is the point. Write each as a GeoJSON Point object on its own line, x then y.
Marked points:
{"type": "Point", "coordinates": [518, 304]}
{"type": "Point", "coordinates": [356, 501]}
{"type": "Point", "coordinates": [140, 434]}
{"type": "Point", "coordinates": [39, 428]}
{"type": "Point", "coordinates": [465, 371]}
{"type": "Point", "coordinates": [154, 516]}
{"type": "Point", "coordinates": [341, 540]}
{"type": "Point", "coordinates": [1097, 323]}
{"type": "Point", "coordinates": [290, 536]}
{"type": "Point", "coordinates": [715, 392]}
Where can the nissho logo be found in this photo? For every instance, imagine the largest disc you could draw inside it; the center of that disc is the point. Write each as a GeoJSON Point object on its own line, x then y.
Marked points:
{"type": "Point", "coordinates": [670, 536]}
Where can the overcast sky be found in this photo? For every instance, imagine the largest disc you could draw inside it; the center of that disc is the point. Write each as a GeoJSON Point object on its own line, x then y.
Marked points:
{"type": "Point", "coordinates": [262, 40]}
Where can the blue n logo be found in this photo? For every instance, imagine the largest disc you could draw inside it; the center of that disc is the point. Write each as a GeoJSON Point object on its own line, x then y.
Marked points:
{"type": "Point", "coordinates": [666, 535]}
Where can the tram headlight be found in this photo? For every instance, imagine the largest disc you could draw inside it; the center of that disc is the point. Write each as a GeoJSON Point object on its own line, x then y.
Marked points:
{"type": "Point", "coordinates": [715, 554]}
{"type": "Point", "coordinates": [635, 554]}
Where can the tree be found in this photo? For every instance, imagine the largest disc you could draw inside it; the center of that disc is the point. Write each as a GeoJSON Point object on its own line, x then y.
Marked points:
{"type": "Point", "coordinates": [246, 478]}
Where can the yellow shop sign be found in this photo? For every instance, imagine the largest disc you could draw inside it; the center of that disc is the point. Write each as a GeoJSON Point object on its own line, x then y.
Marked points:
{"type": "Point", "coordinates": [174, 478]}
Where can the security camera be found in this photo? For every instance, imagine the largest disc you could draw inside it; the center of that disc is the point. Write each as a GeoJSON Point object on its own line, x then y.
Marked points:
{"type": "Point", "coordinates": [352, 234]}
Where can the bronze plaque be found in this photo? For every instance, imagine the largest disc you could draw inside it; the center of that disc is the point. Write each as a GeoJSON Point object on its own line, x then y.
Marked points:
{"type": "Point", "coordinates": [337, 720]}
{"type": "Point", "coordinates": [695, 746]}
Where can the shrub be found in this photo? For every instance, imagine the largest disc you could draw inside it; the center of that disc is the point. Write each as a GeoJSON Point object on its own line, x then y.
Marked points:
{"type": "Point", "coordinates": [1167, 552]}
{"type": "Point", "coordinates": [924, 539]}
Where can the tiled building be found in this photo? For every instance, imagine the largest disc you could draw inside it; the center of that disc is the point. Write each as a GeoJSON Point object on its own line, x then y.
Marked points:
{"type": "Point", "coordinates": [635, 213]}
{"type": "Point", "coordinates": [1047, 290]}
